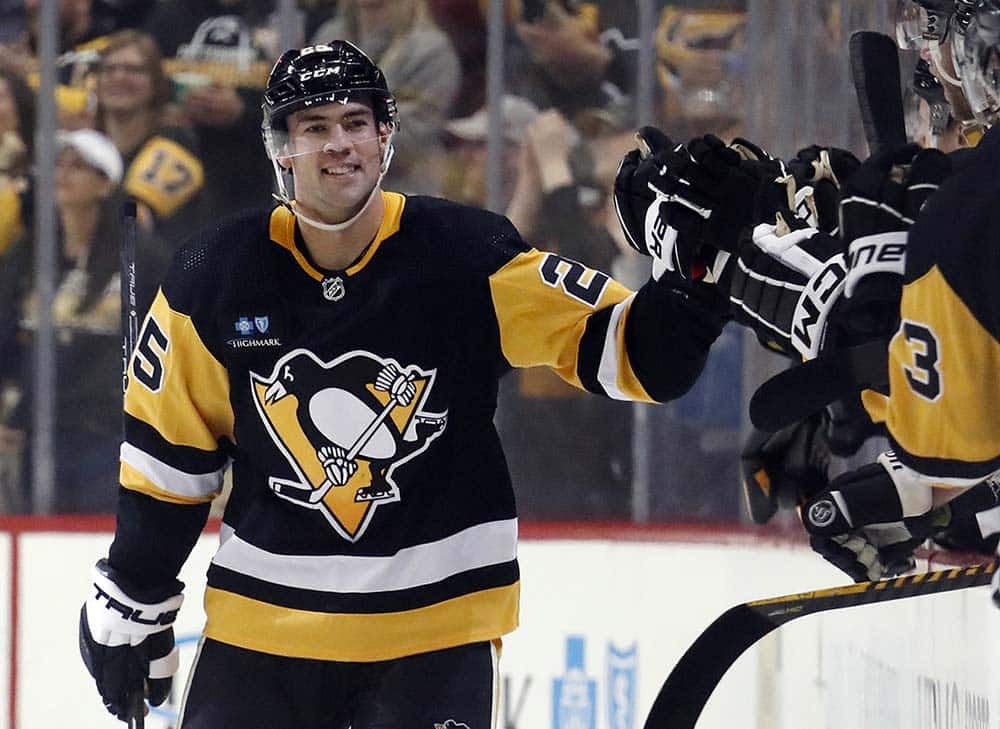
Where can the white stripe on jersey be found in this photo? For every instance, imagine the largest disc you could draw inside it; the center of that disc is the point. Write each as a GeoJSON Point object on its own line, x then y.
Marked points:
{"type": "Point", "coordinates": [170, 479]}
{"type": "Point", "coordinates": [478, 546]}
{"type": "Point", "coordinates": [607, 373]}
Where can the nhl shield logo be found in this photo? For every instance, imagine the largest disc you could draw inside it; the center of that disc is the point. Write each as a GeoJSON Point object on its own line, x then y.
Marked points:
{"type": "Point", "coordinates": [344, 427]}
{"type": "Point", "coordinates": [333, 288]}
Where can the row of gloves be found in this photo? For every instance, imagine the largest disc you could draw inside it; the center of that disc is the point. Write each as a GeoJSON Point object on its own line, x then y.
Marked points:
{"type": "Point", "coordinates": [810, 255]}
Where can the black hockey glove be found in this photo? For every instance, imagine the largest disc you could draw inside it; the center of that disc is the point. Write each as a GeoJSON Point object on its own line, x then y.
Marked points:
{"type": "Point", "coordinates": [787, 279]}
{"type": "Point", "coordinates": [783, 470]}
{"type": "Point", "coordinates": [660, 215]}
{"type": "Point", "coordinates": [127, 640]}
{"type": "Point", "coordinates": [879, 203]}
{"type": "Point", "coordinates": [973, 523]}
{"type": "Point", "coordinates": [819, 173]}
{"type": "Point", "coordinates": [869, 521]}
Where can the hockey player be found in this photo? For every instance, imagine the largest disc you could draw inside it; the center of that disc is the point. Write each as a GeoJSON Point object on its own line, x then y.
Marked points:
{"type": "Point", "coordinates": [944, 360]}
{"type": "Point", "coordinates": [342, 352]}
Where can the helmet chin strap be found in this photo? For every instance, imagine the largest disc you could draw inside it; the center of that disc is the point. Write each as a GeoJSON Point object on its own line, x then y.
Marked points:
{"type": "Point", "coordinates": [387, 153]}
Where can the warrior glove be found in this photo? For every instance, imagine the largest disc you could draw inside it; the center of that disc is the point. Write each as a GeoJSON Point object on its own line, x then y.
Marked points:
{"type": "Point", "coordinates": [867, 522]}
{"type": "Point", "coordinates": [127, 639]}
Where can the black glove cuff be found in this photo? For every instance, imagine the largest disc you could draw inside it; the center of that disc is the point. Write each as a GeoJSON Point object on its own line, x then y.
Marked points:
{"type": "Point", "coordinates": [142, 595]}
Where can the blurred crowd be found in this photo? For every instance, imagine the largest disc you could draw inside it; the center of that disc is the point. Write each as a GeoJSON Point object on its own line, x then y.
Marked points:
{"type": "Point", "coordinates": [159, 101]}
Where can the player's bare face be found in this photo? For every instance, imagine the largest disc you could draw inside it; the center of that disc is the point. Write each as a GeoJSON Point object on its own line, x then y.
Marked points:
{"type": "Point", "coordinates": [336, 157]}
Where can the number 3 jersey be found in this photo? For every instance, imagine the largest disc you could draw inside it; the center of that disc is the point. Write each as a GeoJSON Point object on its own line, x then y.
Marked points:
{"type": "Point", "coordinates": [944, 361]}
{"type": "Point", "coordinates": [371, 514]}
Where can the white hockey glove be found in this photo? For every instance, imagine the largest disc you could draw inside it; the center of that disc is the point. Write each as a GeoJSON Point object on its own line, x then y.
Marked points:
{"type": "Point", "coordinates": [127, 640]}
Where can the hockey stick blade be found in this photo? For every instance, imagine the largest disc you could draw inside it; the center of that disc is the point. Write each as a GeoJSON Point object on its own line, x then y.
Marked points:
{"type": "Point", "coordinates": [802, 390]}
{"type": "Point", "coordinates": [690, 684]}
{"type": "Point", "coordinates": [875, 72]}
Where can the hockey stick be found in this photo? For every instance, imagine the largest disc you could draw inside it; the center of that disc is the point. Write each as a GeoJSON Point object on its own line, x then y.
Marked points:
{"type": "Point", "coordinates": [689, 685]}
{"type": "Point", "coordinates": [875, 72]}
{"type": "Point", "coordinates": [127, 286]}
{"type": "Point", "coordinates": [130, 333]}
{"type": "Point", "coordinates": [800, 391]}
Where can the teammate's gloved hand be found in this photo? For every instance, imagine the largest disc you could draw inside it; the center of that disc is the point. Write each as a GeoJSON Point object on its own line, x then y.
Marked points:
{"type": "Point", "coordinates": [885, 193]}
{"type": "Point", "coordinates": [873, 552]}
{"type": "Point", "coordinates": [869, 521]}
{"type": "Point", "coordinates": [745, 186]}
{"type": "Point", "coordinates": [127, 639]}
{"type": "Point", "coordinates": [819, 172]}
{"type": "Point", "coordinates": [785, 283]}
{"type": "Point", "coordinates": [880, 201]}
{"type": "Point", "coordinates": [784, 469]}
{"type": "Point", "coordinates": [973, 519]}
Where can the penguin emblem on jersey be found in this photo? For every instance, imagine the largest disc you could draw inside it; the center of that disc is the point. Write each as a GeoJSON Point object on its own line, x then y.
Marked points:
{"type": "Point", "coordinates": [344, 427]}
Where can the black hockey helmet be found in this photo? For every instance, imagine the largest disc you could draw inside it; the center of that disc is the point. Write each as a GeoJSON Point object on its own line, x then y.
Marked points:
{"type": "Point", "coordinates": [323, 74]}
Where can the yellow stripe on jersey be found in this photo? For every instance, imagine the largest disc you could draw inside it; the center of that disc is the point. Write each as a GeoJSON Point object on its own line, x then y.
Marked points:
{"type": "Point", "coordinates": [568, 293]}
{"type": "Point", "coordinates": [943, 377]}
{"type": "Point", "coordinates": [164, 175]}
{"type": "Point", "coordinates": [260, 626]}
{"type": "Point", "coordinates": [282, 232]}
{"type": "Point", "coordinates": [175, 384]}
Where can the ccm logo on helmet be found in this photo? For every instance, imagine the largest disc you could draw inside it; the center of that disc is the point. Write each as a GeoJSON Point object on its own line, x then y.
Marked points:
{"type": "Point", "coordinates": [318, 73]}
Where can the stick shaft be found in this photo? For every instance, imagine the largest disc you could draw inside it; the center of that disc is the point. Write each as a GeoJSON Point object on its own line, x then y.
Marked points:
{"type": "Point", "coordinates": [130, 332]}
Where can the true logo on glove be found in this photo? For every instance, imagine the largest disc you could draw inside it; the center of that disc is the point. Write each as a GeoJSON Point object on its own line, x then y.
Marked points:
{"type": "Point", "coordinates": [167, 617]}
{"type": "Point", "coordinates": [822, 513]}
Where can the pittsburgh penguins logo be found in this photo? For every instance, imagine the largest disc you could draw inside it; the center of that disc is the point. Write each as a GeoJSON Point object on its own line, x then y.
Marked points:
{"type": "Point", "coordinates": [344, 427]}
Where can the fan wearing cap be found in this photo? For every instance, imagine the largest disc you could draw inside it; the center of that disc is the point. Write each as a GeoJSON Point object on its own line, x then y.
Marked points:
{"type": "Point", "coordinates": [342, 351]}
{"type": "Point", "coordinates": [86, 316]}
{"type": "Point", "coordinates": [466, 176]}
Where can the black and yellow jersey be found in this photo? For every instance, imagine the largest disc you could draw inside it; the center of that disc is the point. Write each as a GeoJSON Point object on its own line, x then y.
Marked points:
{"type": "Point", "coordinates": [371, 514]}
{"type": "Point", "coordinates": [944, 361]}
{"type": "Point", "coordinates": [164, 173]}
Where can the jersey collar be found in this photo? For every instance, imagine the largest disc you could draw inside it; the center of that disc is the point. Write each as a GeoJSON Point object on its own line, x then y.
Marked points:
{"type": "Point", "coordinates": [282, 232]}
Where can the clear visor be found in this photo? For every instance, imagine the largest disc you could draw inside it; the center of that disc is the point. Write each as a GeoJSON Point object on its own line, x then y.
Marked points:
{"type": "Point", "coordinates": [978, 66]}
{"type": "Point", "coordinates": [315, 134]}
{"type": "Point", "coordinates": [916, 29]}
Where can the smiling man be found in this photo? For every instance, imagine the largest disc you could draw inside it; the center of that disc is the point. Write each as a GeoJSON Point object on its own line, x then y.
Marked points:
{"type": "Point", "coordinates": [342, 352]}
